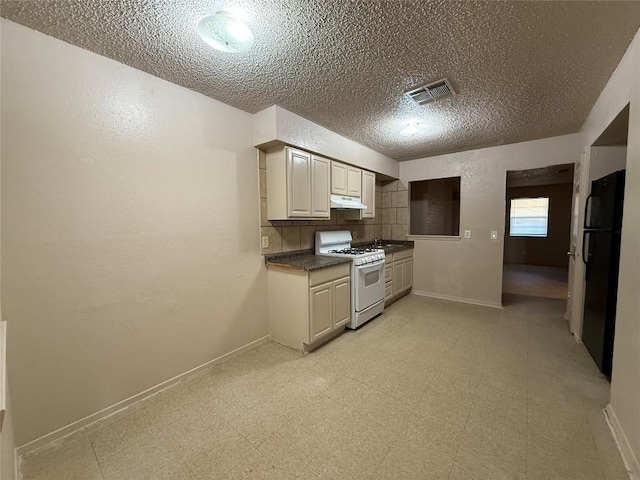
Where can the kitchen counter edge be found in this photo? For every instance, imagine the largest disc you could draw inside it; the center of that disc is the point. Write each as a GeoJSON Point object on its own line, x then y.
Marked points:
{"type": "Point", "coordinates": [303, 261]}
{"type": "Point", "coordinates": [391, 246]}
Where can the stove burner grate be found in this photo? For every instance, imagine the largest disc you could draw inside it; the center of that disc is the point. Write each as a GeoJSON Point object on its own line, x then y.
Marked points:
{"type": "Point", "coordinates": [354, 251]}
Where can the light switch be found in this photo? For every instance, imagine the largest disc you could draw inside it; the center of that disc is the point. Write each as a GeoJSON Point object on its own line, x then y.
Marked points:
{"type": "Point", "coordinates": [494, 234]}
{"type": "Point", "coordinates": [467, 234]}
{"type": "Point", "coordinates": [265, 242]}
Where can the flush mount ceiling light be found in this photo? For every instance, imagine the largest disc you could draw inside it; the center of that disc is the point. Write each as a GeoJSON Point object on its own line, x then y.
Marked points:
{"type": "Point", "coordinates": [412, 129]}
{"type": "Point", "coordinates": [225, 32]}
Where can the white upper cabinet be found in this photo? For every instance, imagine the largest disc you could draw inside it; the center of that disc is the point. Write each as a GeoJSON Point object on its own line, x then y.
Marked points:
{"type": "Point", "coordinates": [354, 185]}
{"type": "Point", "coordinates": [298, 185]}
{"type": "Point", "coordinates": [345, 180]}
{"type": "Point", "coordinates": [369, 194]}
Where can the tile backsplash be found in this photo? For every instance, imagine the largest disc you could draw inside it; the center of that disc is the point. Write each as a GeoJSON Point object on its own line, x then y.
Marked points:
{"type": "Point", "coordinates": [392, 199]}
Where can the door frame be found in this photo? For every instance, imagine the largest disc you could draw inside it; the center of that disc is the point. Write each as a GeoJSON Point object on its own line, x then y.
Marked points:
{"type": "Point", "coordinates": [575, 294]}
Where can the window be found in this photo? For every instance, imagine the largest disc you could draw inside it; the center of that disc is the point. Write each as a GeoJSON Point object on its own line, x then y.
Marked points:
{"type": "Point", "coordinates": [434, 207]}
{"type": "Point", "coordinates": [529, 217]}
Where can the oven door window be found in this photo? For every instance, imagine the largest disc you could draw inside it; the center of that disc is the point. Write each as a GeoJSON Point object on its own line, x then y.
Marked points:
{"type": "Point", "coordinates": [371, 278]}
{"type": "Point", "coordinates": [369, 285]}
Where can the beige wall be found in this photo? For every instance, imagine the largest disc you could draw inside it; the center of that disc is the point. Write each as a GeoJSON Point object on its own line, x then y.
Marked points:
{"type": "Point", "coordinates": [7, 444]}
{"type": "Point", "coordinates": [552, 249]}
{"type": "Point", "coordinates": [471, 269]}
{"type": "Point", "coordinates": [130, 230]}
{"type": "Point", "coordinates": [389, 223]}
{"type": "Point", "coordinates": [606, 160]}
{"type": "Point", "coordinates": [624, 87]}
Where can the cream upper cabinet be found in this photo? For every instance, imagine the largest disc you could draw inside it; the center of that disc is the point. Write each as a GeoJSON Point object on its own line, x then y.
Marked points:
{"type": "Point", "coordinates": [339, 178]}
{"type": "Point", "coordinates": [354, 183]}
{"type": "Point", "coordinates": [298, 185]}
{"type": "Point", "coordinates": [345, 179]}
{"type": "Point", "coordinates": [320, 181]}
{"type": "Point", "coordinates": [369, 194]}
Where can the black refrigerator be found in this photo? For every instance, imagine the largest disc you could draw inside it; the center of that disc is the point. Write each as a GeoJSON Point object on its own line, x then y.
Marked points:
{"type": "Point", "coordinates": [601, 254]}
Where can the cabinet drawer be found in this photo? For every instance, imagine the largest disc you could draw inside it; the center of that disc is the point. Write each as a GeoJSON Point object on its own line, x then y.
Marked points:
{"type": "Point", "coordinates": [323, 275]}
{"type": "Point", "coordinates": [388, 290]}
{"type": "Point", "coordinates": [388, 272]}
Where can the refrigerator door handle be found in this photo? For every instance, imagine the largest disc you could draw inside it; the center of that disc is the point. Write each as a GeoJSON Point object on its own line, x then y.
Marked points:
{"type": "Point", "coordinates": [586, 211]}
{"type": "Point", "coordinates": [585, 256]}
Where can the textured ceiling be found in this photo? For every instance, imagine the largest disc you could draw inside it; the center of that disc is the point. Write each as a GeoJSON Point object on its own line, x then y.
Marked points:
{"type": "Point", "coordinates": [523, 69]}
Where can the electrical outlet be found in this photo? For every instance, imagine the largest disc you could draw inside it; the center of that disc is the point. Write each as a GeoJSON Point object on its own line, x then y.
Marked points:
{"type": "Point", "coordinates": [354, 235]}
{"type": "Point", "coordinates": [494, 234]}
{"type": "Point", "coordinates": [265, 242]}
{"type": "Point", "coordinates": [467, 234]}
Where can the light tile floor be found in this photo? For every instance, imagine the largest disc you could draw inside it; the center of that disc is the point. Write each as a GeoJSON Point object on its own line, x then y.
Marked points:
{"type": "Point", "coordinates": [429, 390]}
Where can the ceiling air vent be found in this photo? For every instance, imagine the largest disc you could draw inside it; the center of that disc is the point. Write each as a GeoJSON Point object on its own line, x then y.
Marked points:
{"type": "Point", "coordinates": [432, 92]}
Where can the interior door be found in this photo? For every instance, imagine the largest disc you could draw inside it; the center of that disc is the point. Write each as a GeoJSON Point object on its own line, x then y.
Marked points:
{"type": "Point", "coordinates": [575, 297]}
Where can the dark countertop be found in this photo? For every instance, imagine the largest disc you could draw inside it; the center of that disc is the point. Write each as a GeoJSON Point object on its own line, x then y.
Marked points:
{"type": "Point", "coordinates": [395, 248]}
{"type": "Point", "coordinates": [303, 260]}
{"type": "Point", "coordinates": [390, 246]}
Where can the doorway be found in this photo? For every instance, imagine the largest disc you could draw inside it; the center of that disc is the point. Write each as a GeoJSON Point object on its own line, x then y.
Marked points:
{"type": "Point", "coordinates": [593, 272]}
{"type": "Point", "coordinates": [537, 226]}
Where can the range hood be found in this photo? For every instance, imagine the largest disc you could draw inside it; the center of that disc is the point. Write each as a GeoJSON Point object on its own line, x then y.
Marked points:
{"type": "Point", "coordinates": [347, 203]}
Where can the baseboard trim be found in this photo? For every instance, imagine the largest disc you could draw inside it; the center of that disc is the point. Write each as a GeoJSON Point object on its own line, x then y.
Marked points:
{"type": "Point", "coordinates": [628, 457]}
{"type": "Point", "coordinates": [123, 404]}
{"type": "Point", "coordinates": [456, 299]}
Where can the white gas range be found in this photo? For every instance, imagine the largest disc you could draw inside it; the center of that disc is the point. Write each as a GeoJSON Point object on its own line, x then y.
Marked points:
{"type": "Point", "coordinates": [367, 274]}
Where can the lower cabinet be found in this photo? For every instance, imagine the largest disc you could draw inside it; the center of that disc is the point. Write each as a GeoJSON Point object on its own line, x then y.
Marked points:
{"type": "Point", "coordinates": [398, 275]}
{"type": "Point", "coordinates": [330, 307]}
{"type": "Point", "coordinates": [308, 308]}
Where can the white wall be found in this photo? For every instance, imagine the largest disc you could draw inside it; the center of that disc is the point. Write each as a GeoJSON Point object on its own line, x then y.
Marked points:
{"type": "Point", "coordinates": [275, 124]}
{"type": "Point", "coordinates": [622, 88]}
{"type": "Point", "coordinates": [606, 160]}
{"type": "Point", "coordinates": [471, 269]}
{"type": "Point", "coordinates": [7, 444]}
{"type": "Point", "coordinates": [130, 230]}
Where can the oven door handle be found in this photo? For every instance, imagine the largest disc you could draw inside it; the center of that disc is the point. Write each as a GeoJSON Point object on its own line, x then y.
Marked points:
{"type": "Point", "coordinates": [374, 264]}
